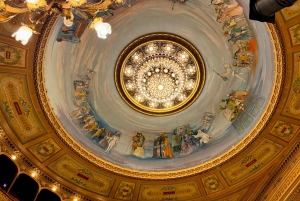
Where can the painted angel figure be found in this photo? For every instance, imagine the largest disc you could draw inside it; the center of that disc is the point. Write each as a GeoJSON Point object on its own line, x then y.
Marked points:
{"type": "Point", "coordinates": [230, 71]}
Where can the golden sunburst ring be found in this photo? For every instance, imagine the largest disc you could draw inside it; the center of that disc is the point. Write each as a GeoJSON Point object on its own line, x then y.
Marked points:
{"type": "Point", "coordinates": [160, 74]}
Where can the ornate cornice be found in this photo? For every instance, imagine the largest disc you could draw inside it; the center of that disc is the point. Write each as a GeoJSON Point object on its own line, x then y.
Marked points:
{"type": "Point", "coordinates": [25, 166]}
{"type": "Point", "coordinates": [4, 197]}
{"type": "Point", "coordinates": [279, 183]}
{"type": "Point", "coordinates": [151, 175]}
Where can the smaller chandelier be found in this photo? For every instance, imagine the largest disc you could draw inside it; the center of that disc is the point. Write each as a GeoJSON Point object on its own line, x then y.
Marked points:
{"type": "Point", "coordinates": [102, 28]}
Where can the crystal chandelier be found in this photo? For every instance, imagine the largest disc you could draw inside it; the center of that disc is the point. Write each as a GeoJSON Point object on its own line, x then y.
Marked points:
{"type": "Point", "coordinates": [160, 76]}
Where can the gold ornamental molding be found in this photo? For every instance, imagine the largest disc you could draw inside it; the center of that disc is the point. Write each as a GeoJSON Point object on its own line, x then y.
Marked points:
{"type": "Point", "coordinates": [159, 62]}
{"type": "Point", "coordinates": [154, 175]}
{"type": "Point", "coordinates": [25, 166]}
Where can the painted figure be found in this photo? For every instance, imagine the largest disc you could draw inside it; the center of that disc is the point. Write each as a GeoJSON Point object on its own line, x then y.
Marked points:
{"type": "Point", "coordinates": [231, 106]}
{"type": "Point", "coordinates": [230, 12]}
{"type": "Point", "coordinates": [176, 142]}
{"type": "Point", "coordinates": [80, 85]}
{"type": "Point", "coordinates": [204, 138]}
{"type": "Point", "coordinates": [138, 145]}
{"type": "Point", "coordinates": [98, 132]}
{"type": "Point", "coordinates": [167, 149]}
{"type": "Point", "coordinates": [90, 122]}
{"type": "Point", "coordinates": [80, 113]}
{"type": "Point", "coordinates": [92, 126]}
{"type": "Point", "coordinates": [230, 71]}
{"type": "Point", "coordinates": [112, 141]}
{"type": "Point", "coordinates": [79, 21]}
{"type": "Point", "coordinates": [104, 142]}
{"type": "Point", "coordinates": [156, 148]}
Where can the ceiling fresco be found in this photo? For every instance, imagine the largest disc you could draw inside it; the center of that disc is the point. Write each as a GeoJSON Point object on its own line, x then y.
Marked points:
{"type": "Point", "coordinates": [239, 66]}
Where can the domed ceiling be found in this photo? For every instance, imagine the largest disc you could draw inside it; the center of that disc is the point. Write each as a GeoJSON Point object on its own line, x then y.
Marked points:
{"type": "Point", "coordinates": [238, 74]}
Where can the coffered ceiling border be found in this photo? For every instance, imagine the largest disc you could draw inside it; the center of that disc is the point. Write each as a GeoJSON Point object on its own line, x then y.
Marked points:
{"type": "Point", "coordinates": [25, 166]}
{"type": "Point", "coordinates": [41, 92]}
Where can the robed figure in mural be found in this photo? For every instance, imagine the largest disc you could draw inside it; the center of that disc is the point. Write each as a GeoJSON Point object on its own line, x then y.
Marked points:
{"type": "Point", "coordinates": [168, 150]}
{"type": "Point", "coordinates": [161, 147]}
{"type": "Point", "coordinates": [176, 142]}
{"type": "Point", "coordinates": [138, 145]}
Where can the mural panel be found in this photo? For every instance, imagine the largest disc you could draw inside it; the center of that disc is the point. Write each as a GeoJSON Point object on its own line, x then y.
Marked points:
{"type": "Point", "coordinates": [251, 163]}
{"type": "Point", "coordinates": [87, 104]}
{"type": "Point", "coordinates": [44, 149]}
{"type": "Point", "coordinates": [125, 191]}
{"type": "Point", "coordinates": [183, 191]}
{"type": "Point", "coordinates": [17, 107]}
{"type": "Point", "coordinates": [80, 175]}
{"type": "Point", "coordinates": [292, 106]}
{"type": "Point", "coordinates": [11, 55]}
{"type": "Point", "coordinates": [291, 12]}
{"type": "Point", "coordinates": [295, 34]}
{"type": "Point", "coordinates": [235, 196]}
{"type": "Point", "coordinates": [284, 130]}
{"type": "Point", "coordinates": [212, 184]}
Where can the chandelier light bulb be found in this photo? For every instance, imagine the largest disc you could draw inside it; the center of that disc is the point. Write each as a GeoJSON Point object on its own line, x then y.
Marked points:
{"type": "Point", "coordinates": [67, 22]}
{"type": "Point", "coordinates": [23, 34]}
{"type": "Point", "coordinates": [160, 87]}
{"type": "Point", "coordinates": [33, 1]}
{"type": "Point", "coordinates": [102, 29]}
{"type": "Point", "coordinates": [13, 157]}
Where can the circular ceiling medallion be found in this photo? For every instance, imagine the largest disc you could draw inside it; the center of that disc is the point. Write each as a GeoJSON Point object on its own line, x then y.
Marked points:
{"type": "Point", "coordinates": [159, 74]}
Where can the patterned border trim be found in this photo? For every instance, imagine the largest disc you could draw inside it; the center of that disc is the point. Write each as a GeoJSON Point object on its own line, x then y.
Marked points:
{"type": "Point", "coordinates": [151, 175]}
{"type": "Point", "coordinates": [4, 197]}
{"type": "Point", "coordinates": [25, 166]}
{"type": "Point", "coordinates": [294, 194]}
{"type": "Point", "coordinates": [276, 178]}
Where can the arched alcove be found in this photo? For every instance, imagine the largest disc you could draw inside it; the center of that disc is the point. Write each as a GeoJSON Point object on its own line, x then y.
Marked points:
{"type": "Point", "coordinates": [47, 195]}
{"type": "Point", "coordinates": [8, 171]}
{"type": "Point", "coordinates": [24, 188]}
